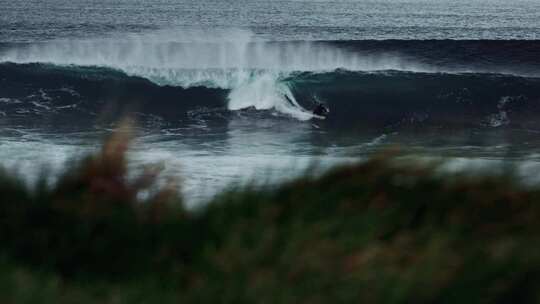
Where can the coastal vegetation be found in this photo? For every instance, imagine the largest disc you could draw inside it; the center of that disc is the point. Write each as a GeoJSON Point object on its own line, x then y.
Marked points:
{"type": "Point", "coordinates": [378, 231]}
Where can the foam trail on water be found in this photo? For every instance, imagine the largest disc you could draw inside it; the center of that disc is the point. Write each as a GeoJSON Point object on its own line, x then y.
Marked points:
{"type": "Point", "coordinates": [228, 59]}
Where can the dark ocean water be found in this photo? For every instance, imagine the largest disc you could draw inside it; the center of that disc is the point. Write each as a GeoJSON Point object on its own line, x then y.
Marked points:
{"type": "Point", "coordinates": [31, 21]}
{"type": "Point", "coordinates": [223, 90]}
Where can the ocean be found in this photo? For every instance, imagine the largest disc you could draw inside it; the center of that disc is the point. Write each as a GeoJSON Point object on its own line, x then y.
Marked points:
{"type": "Point", "coordinates": [222, 91]}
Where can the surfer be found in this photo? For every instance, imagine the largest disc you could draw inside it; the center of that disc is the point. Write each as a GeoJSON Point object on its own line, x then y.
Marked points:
{"type": "Point", "coordinates": [320, 109]}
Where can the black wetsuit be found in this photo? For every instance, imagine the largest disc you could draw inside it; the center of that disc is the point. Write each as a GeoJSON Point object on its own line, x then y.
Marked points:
{"type": "Point", "coordinates": [320, 110]}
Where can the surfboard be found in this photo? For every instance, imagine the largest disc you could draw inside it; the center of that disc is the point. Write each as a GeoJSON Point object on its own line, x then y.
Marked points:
{"type": "Point", "coordinates": [318, 116]}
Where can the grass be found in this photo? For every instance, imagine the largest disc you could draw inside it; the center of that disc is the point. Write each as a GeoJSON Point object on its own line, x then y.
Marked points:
{"type": "Point", "coordinates": [378, 231]}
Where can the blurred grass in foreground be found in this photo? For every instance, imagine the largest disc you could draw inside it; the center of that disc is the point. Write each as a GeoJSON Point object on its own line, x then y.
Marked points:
{"type": "Point", "coordinates": [373, 232]}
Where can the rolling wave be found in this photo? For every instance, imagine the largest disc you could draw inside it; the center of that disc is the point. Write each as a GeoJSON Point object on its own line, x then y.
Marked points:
{"type": "Point", "coordinates": [250, 69]}
{"type": "Point", "coordinates": [383, 99]}
{"type": "Point", "coordinates": [365, 83]}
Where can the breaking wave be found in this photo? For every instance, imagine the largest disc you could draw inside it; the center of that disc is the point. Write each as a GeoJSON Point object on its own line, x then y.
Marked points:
{"type": "Point", "coordinates": [386, 83]}
{"type": "Point", "coordinates": [232, 60]}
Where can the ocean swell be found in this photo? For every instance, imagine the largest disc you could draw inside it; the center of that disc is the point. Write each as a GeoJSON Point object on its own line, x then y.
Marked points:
{"type": "Point", "coordinates": [365, 83]}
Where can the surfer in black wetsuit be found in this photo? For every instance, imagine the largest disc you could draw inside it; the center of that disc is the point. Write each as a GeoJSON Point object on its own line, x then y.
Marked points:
{"type": "Point", "coordinates": [320, 109]}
